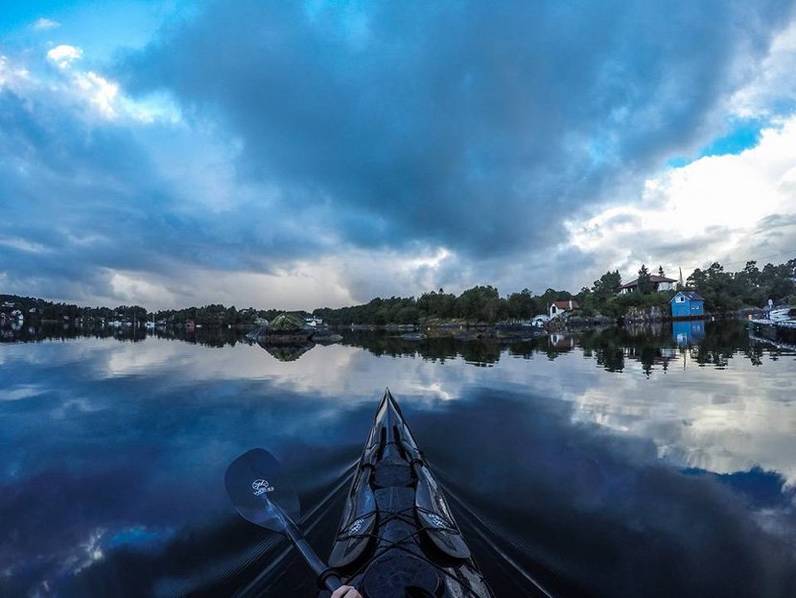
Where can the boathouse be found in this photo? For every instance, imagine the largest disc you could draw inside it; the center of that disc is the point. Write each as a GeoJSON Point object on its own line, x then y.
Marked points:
{"type": "Point", "coordinates": [688, 304]}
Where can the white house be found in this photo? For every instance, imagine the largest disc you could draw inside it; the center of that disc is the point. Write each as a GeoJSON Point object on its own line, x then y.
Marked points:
{"type": "Point", "coordinates": [313, 321]}
{"type": "Point", "coordinates": [557, 308]}
{"type": "Point", "coordinates": [658, 283]}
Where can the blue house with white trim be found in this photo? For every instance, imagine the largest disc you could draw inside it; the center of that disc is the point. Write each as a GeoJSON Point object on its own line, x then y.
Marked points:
{"type": "Point", "coordinates": [688, 304]}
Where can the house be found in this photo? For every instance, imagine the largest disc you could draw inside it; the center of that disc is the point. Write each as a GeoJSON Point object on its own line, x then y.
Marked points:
{"type": "Point", "coordinates": [557, 308]}
{"type": "Point", "coordinates": [659, 283]}
{"type": "Point", "coordinates": [688, 304]}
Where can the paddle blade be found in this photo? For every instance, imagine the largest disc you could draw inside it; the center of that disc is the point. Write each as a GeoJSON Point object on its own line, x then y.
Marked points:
{"type": "Point", "coordinates": [260, 491]}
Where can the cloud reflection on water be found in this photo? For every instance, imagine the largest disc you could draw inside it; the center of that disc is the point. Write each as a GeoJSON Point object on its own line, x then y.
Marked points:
{"type": "Point", "coordinates": [134, 438]}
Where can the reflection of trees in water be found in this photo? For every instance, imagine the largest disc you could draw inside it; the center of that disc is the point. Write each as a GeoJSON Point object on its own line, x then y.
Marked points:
{"type": "Point", "coordinates": [481, 353]}
{"type": "Point", "coordinates": [385, 343]}
{"type": "Point", "coordinates": [722, 341]}
{"type": "Point", "coordinates": [58, 331]}
{"type": "Point", "coordinates": [475, 351]}
{"type": "Point", "coordinates": [708, 343]}
{"type": "Point", "coordinates": [652, 345]}
{"type": "Point", "coordinates": [287, 352]}
{"type": "Point", "coordinates": [209, 336]}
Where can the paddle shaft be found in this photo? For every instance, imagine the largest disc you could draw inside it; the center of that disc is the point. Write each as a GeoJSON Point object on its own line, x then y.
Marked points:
{"type": "Point", "coordinates": [330, 580]}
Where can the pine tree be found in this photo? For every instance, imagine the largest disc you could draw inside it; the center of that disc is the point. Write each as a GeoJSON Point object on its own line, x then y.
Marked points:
{"type": "Point", "coordinates": [644, 280]}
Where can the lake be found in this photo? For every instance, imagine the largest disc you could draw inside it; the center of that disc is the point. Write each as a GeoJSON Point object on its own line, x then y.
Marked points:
{"type": "Point", "coordinates": [622, 462]}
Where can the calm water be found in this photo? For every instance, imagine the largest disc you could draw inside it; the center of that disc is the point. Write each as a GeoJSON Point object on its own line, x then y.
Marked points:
{"type": "Point", "coordinates": [618, 463]}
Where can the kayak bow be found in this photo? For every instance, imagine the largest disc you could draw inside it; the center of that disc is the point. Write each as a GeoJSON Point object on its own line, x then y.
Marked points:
{"type": "Point", "coordinates": [397, 537]}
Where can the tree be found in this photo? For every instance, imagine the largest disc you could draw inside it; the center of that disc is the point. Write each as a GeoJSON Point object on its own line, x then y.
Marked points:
{"type": "Point", "coordinates": [608, 285]}
{"type": "Point", "coordinates": [478, 303]}
{"type": "Point", "coordinates": [644, 281]}
{"type": "Point", "coordinates": [660, 272]}
{"type": "Point", "coordinates": [521, 306]}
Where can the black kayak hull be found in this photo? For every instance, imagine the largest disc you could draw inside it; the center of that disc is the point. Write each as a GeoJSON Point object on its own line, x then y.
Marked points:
{"type": "Point", "coordinates": [397, 536]}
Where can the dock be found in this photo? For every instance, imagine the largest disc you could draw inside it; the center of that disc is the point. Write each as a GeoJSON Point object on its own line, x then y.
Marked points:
{"type": "Point", "coordinates": [785, 324]}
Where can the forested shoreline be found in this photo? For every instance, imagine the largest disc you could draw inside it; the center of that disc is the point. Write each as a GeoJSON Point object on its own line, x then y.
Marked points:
{"type": "Point", "coordinates": [724, 291]}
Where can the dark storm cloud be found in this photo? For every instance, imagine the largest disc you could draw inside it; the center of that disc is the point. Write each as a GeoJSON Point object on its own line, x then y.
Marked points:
{"type": "Point", "coordinates": [472, 125]}
{"type": "Point", "coordinates": [319, 130]}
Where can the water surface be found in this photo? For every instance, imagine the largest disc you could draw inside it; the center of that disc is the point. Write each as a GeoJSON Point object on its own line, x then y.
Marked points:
{"type": "Point", "coordinates": [615, 463]}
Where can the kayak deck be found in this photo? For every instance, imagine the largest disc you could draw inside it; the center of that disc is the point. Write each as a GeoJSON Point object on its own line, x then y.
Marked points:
{"type": "Point", "coordinates": [397, 536]}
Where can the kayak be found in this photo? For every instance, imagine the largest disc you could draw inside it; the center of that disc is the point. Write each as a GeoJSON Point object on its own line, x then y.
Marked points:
{"type": "Point", "coordinates": [397, 537]}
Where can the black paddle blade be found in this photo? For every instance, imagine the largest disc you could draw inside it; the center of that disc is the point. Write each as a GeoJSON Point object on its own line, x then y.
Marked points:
{"type": "Point", "coordinates": [259, 491]}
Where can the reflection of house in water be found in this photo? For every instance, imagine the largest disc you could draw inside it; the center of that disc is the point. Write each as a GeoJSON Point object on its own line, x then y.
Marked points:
{"type": "Point", "coordinates": [562, 342]}
{"type": "Point", "coordinates": [688, 332]}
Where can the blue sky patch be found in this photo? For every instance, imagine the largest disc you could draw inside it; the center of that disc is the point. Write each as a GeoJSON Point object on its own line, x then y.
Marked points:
{"type": "Point", "coordinates": [742, 137]}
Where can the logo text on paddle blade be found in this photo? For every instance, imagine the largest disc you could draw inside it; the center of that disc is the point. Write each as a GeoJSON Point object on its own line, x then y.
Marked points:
{"type": "Point", "coordinates": [261, 486]}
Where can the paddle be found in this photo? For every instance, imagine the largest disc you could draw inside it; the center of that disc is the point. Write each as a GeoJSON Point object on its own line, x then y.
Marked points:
{"type": "Point", "coordinates": [262, 496]}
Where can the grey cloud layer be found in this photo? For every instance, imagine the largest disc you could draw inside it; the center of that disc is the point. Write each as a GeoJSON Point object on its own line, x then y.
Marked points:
{"type": "Point", "coordinates": [81, 196]}
{"type": "Point", "coordinates": [394, 126]}
{"type": "Point", "coordinates": [462, 124]}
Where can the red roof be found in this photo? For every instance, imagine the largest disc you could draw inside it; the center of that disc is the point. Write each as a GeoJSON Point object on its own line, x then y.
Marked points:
{"type": "Point", "coordinates": [564, 304]}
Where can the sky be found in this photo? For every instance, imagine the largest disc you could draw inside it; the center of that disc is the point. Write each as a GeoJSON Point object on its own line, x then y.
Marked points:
{"type": "Point", "coordinates": [307, 154]}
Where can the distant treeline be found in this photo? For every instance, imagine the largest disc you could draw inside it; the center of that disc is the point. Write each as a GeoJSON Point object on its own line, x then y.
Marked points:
{"type": "Point", "coordinates": [722, 290]}
{"type": "Point", "coordinates": [41, 310]}
{"type": "Point", "coordinates": [727, 291]}
{"type": "Point", "coordinates": [217, 315]}
{"type": "Point", "coordinates": [478, 304]}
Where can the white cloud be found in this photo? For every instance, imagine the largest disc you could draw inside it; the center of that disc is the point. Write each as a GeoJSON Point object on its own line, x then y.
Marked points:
{"type": "Point", "coordinates": [99, 91]}
{"type": "Point", "coordinates": [104, 95]}
{"type": "Point", "coordinates": [11, 76]}
{"type": "Point", "coordinates": [304, 286]}
{"type": "Point", "coordinates": [774, 85]}
{"type": "Point", "coordinates": [351, 276]}
{"type": "Point", "coordinates": [23, 244]}
{"type": "Point", "coordinates": [64, 55]}
{"type": "Point", "coordinates": [43, 24]}
{"type": "Point", "coordinates": [709, 209]}
{"type": "Point", "coordinates": [131, 288]}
